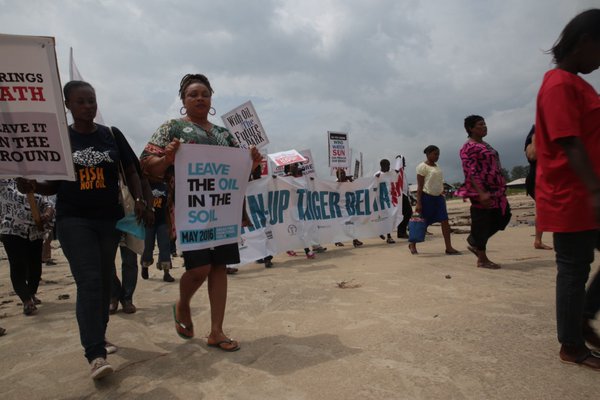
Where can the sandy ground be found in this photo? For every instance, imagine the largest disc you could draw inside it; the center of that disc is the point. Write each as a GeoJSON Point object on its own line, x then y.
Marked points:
{"type": "Point", "coordinates": [429, 326]}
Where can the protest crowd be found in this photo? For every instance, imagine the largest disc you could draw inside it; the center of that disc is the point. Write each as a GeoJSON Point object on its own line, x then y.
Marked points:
{"type": "Point", "coordinates": [227, 210]}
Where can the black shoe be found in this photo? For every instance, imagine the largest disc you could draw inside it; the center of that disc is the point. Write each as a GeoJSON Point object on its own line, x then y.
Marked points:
{"type": "Point", "coordinates": [114, 306]}
{"type": "Point", "coordinates": [402, 236]}
{"type": "Point", "coordinates": [144, 273]}
{"type": "Point", "coordinates": [167, 277]}
{"type": "Point", "coordinates": [268, 264]}
{"type": "Point", "coordinates": [382, 237]}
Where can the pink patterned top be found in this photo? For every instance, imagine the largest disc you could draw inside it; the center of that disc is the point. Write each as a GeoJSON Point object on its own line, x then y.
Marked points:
{"type": "Point", "coordinates": [481, 163]}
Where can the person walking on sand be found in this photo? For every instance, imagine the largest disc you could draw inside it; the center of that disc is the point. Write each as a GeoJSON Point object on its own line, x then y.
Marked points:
{"type": "Point", "coordinates": [158, 234]}
{"type": "Point", "coordinates": [431, 203]}
{"type": "Point", "coordinates": [341, 176]}
{"type": "Point", "coordinates": [87, 211]}
{"type": "Point", "coordinates": [22, 240]}
{"type": "Point", "coordinates": [530, 183]}
{"type": "Point", "coordinates": [485, 187]}
{"type": "Point", "coordinates": [209, 265]}
{"type": "Point", "coordinates": [567, 139]}
{"type": "Point", "coordinates": [384, 168]}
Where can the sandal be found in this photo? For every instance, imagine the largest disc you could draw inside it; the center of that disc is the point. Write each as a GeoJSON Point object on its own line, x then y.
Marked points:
{"type": "Point", "coordinates": [339, 244]}
{"type": "Point", "coordinates": [488, 265]}
{"type": "Point", "coordinates": [219, 345]}
{"type": "Point", "coordinates": [357, 243]}
{"type": "Point", "coordinates": [181, 325]}
{"type": "Point", "coordinates": [291, 253]}
{"type": "Point", "coordinates": [390, 241]}
{"type": "Point", "coordinates": [29, 308]}
{"type": "Point", "coordinates": [452, 252]}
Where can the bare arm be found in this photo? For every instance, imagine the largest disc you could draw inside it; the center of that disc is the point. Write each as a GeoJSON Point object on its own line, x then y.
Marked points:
{"type": "Point", "coordinates": [530, 150]}
{"type": "Point", "coordinates": [420, 184]}
{"type": "Point", "coordinates": [156, 166]}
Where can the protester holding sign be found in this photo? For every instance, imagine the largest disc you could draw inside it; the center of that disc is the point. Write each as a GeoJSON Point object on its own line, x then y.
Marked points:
{"type": "Point", "coordinates": [22, 240]}
{"type": "Point", "coordinates": [87, 210]}
{"type": "Point", "coordinates": [431, 203]}
{"type": "Point", "coordinates": [157, 158]}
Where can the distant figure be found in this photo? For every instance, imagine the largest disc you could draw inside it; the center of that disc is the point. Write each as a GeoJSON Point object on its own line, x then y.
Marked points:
{"type": "Point", "coordinates": [567, 191]}
{"type": "Point", "coordinates": [342, 177]}
{"type": "Point", "coordinates": [431, 203]}
{"type": "Point", "coordinates": [407, 210]}
{"type": "Point", "coordinates": [486, 189]}
{"type": "Point", "coordinates": [530, 183]}
{"type": "Point", "coordinates": [384, 168]}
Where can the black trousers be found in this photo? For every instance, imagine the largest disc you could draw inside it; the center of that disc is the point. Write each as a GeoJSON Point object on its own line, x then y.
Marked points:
{"type": "Point", "coordinates": [485, 222]}
{"type": "Point", "coordinates": [407, 213]}
{"type": "Point", "coordinates": [25, 261]}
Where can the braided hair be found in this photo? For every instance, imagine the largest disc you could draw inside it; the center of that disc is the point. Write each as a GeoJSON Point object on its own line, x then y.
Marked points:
{"type": "Point", "coordinates": [188, 79]}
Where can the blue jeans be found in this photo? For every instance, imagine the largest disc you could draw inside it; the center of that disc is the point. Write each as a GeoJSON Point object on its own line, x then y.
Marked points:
{"type": "Point", "coordinates": [90, 247]}
{"type": "Point", "coordinates": [159, 232]}
{"type": "Point", "coordinates": [123, 291]}
{"type": "Point", "coordinates": [574, 254]}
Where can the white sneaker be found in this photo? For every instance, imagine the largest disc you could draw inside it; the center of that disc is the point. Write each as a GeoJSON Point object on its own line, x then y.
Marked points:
{"type": "Point", "coordinates": [110, 348]}
{"type": "Point", "coordinates": [100, 368]}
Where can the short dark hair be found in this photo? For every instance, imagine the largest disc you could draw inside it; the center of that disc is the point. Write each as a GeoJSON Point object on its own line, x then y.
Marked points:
{"type": "Point", "coordinates": [383, 162]}
{"type": "Point", "coordinates": [585, 23]}
{"type": "Point", "coordinates": [470, 122]}
{"type": "Point", "coordinates": [72, 85]}
{"type": "Point", "coordinates": [188, 79]}
{"type": "Point", "coordinates": [430, 149]}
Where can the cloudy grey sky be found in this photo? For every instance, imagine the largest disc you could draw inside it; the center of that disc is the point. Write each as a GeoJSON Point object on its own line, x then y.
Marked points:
{"type": "Point", "coordinates": [397, 75]}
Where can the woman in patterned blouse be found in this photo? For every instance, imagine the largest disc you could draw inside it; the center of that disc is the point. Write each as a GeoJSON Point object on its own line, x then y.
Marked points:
{"type": "Point", "coordinates": [485, 187]}
{"type": "Point", "coordinates": [157, 160]}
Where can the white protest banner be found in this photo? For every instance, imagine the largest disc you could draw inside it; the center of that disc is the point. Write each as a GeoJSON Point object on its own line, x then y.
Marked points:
{"type": "Point", "coordinates": [283, 158]}
{"type": "Point", "coordinates": [209, 194]}
{"type": "Point", "coordinates": [292, 213]}
{"type": "Point", "coordinates": [34, 138]}
{"type": "Point", "coordinates": [339, 151]}
{"type": "Point", "coordinates": [244, 125]}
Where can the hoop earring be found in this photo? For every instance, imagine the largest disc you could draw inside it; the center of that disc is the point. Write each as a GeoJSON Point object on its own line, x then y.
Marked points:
{"type": "Point", "coordinates": [182, 110]}
{"type": "Point", "coordinates": [213, 111]}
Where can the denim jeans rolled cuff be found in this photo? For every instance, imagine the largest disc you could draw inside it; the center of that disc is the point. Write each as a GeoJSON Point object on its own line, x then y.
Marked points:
{"type": "Point", "coordinates": [90, 247]}
{"type": "Point", "coordinates": [159, 234]}
{"type": "Point", "coordinates": [574, 254]}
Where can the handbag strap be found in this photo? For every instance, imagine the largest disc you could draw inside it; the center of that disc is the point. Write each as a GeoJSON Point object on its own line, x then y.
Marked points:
{"type": "Point", "coordinates": [121, 169]}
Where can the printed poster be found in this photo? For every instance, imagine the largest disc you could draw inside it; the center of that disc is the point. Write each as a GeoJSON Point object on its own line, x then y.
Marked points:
{"type": "Point", "coordinates": [339, 151]}
{"type": "Point", "coordinates": [210, 183]}
{"type": "Point", "coordinates": [245, 126]}
{"type": "Point", "coordinates": [34, 138]}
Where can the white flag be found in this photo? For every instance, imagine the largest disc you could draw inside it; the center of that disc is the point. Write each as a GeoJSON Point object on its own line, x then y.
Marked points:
{"type": "Point", "coordinates": [74, 75]}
